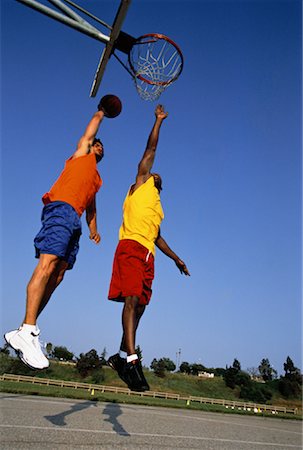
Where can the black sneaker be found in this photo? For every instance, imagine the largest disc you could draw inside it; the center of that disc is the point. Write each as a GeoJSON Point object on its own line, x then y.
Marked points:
{"type": "Point", "coordinates": [117, 363]}
{"type": "Point", "coordinates": [134, 376]}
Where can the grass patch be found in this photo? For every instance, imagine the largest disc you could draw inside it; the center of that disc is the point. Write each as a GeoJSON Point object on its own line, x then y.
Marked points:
{"type": "Point", "coordinates": [191, 385]}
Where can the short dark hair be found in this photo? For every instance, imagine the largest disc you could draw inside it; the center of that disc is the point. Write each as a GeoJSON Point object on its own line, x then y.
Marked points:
{"type": "Point", "coordinates": [98, 157]}
{"type": "Point", "coordinates": [157, 181]}
{"type": "Point", "coordinates": [97, 140]}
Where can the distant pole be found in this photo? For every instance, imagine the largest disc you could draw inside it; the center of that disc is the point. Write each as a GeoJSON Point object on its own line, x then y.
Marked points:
{"type": "Point", "coordinates": [178, 359]}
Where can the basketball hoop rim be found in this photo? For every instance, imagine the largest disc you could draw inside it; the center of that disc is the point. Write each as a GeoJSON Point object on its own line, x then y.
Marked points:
{"type": "Point", "coordinates": [158, 36]}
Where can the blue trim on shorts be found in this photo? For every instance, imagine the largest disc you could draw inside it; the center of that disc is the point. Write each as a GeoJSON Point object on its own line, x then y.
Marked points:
{"type": "Point", "coordinates": [60, 232]}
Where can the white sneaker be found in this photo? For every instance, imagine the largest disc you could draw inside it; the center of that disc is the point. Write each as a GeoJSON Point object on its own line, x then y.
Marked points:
{"type": "Point", "coordinates": [26, 344]}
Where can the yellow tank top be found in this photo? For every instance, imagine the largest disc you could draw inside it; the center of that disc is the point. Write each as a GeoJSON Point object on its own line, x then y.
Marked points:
{"type": "Point", "coordinates": [142, 215]}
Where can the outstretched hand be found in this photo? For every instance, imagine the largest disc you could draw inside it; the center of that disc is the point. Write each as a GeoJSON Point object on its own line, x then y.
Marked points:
{"type": "Point", "coordinates": [95, 237]}
{"type": "Point", "coordinates": [160, 113]}
{"type": "Point", "coordinates": [182, 267]}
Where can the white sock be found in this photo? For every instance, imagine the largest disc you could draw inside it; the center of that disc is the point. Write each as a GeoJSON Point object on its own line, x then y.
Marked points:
{"type": "Point", "coordinates": [122, 354]}
{"type": "Point", "coordinates": [131, 358]}
{"type": "Point", "coordinates": [29, 328]}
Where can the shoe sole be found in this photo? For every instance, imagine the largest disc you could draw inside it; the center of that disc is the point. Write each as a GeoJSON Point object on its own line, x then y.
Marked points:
{"type": "Point", "coordinates": [112, 366]}
{"type": "Point", "coordinates": [143, 389]}
{"type": "Point", "coordinates": [20, 356]}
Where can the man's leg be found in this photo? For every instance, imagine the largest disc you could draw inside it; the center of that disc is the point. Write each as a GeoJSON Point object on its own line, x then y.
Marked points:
{"type": "Point", "coordinates": [132, 372]}
{"type": "Point", "coordinates": [138, 314]}
{"type": "Point", "coordinates": [129, 323]}
{"type": "Point", "coordinates": [25, 341]}
{"type": "Point", "coordinates": [54, 281]}
{"type": "Point", "coordinates": [41, 286]}
{"type": "Point", "coordinates": [117, 362]}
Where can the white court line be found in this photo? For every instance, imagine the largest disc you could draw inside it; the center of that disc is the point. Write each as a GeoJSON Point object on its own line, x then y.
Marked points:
{"type": "Point", "coordinates": [203, 419]}
{"type": "Point", "coordinates": [15, 397]}
{"type": "Point", "coordinates": [196, 438]}
{"type": "Point", "coordinates": [165, 414]}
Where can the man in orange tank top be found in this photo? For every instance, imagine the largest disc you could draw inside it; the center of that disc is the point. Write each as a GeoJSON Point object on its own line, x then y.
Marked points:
{"type": "Point", "coordinates": [133, 267]}
{"type": "Point", "coordinates": [57, 243]}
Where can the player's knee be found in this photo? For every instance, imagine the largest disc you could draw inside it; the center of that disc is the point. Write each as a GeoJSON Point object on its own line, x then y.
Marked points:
{"type": "Point", "coordinates": [47, 265]}
{"type": "Point", "coordinates": [60, 272]}
{"type": "Point", "coordinates": [60, 277]}
{"type": "Point", "coordinates": [131, 302]}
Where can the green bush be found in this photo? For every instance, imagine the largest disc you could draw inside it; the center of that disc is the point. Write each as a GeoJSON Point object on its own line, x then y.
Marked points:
{"type": "Point", "coordinates": [230, 377]}
{"type": "Point", "coordinates": [255, 393]}
{"type": "Point", "coordinates": [97, 377]}
{"type": "Point", "coordinates": [88, 363]}
{"type": "Point", "coordinates": [8, 364]}
{"type": "Point", "coordinates": [289, 388]}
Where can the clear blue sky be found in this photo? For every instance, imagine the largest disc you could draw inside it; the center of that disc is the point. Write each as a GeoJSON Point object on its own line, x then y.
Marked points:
{"type": "Point", "coordinates": [230, 157]}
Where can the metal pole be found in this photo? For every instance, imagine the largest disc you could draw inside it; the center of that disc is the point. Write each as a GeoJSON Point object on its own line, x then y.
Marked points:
{"type": "Point", "coordinates": [120, 16]}
{"type": "Point", "coordinates": [88, 14]}
{"type": "Point", "coordinates": [89, 31]}
{"type": "Point", "coordinates": [69, 12]}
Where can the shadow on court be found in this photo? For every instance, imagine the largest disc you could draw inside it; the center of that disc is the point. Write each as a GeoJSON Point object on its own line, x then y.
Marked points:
{"type": "Point", "coordinates": [113, 412]}
{"type": "Point", "coordinates": [59, 419]}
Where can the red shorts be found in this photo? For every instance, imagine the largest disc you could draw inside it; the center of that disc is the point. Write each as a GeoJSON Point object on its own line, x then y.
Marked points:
{"type": "Point", "coordinates": [133, 272]}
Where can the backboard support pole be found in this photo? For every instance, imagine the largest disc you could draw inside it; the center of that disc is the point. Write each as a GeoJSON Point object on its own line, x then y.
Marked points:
{"type": "Point", "coordinates": [119, 19]}
{"type": "Point", "coordinates": [70, 18]}
{"type": "Point", "coordinates": [79, 25]}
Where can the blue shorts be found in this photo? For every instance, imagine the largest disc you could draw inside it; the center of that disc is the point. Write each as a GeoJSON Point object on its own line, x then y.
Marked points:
{"type": "Point", "coordinates": [60, 232]}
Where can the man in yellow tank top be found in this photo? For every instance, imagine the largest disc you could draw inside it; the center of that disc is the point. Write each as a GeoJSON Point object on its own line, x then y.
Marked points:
{"type": "Point", "coordinates": [133, 267]}
{"type": "Point", "coordinates": [57, 242]}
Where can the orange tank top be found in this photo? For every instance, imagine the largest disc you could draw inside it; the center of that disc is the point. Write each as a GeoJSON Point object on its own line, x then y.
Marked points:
{"type": "Point", "coordinates": [77, 184]}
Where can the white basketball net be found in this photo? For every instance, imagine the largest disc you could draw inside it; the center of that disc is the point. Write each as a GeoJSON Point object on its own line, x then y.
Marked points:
{"type": "Point", "coordinates": [155, 62]}
{"type": "Point", "coordinates": [148, 91]}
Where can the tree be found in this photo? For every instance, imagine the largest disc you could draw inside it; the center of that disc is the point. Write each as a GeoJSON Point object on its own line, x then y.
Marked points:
{"type": "Point", "coordinates": [162, 365]}
{"type": "Point", "coordinates": [88, 362]}
{"type": "Point", "coordinates": [233, 375]}
{"type": "Point", "coordinates": [230, 377]}
{"type": "Point", "coordinates": [62, 353]}
{"type": "Point", "coordinates": [103, 357]}
{"type": "Point", "coordinates": [266, 371]}
{"type": "Point", "coordinates": [169, 365]}
{"type": "Point", "coordinates": [5, 349]}
{"type": "Point", "coordinates": [184, 367]}
{"type": "Point", "coordinates": [158, 367]}
{"type": "Point", "coordinates": [236, 365]}
{"type": "Point", "coordinates": [242, 379]}
{"type": "Point", "coordinates": [218, 371]}
{"type": "Point", "coordinates": [49, 349]}
{"type": "Point", "coordinates": [196, 368]}
{"type": "Point", "coordinates": [290, 385]}
{"type": "Point", "coordinates": [153, 364]}
{"type": "Point", "coordinates": [291, 372]}
{"type": "Point", "coordinates": [139, 352]}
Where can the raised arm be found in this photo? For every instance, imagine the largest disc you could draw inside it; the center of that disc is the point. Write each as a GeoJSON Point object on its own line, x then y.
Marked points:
{"type": "Point", "coordinates": [89, 135]}
{"type": "Point", "coordinates": [163, 246]}
{"type": "Point", "coordinates": [148, 157]}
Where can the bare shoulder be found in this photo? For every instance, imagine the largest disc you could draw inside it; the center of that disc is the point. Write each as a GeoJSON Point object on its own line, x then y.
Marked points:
{"type": "Point", "coordinates": [140, 179]}
{"type": "Point", "coordinates": [82, 150]}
